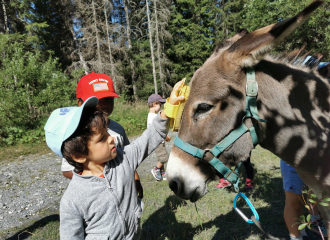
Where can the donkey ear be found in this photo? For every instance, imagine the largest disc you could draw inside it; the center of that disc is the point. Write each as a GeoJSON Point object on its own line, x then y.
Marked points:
{"type": "Point", "coordinates": [240, 33]}
{"type": "Point", "coordinates": [249, 49]}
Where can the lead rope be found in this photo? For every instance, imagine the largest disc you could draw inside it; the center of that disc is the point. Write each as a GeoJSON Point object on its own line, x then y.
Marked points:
{"type": "Point", "coordinates": [258, 224]}
{"type": "Point", "coordinates": [254, 218]}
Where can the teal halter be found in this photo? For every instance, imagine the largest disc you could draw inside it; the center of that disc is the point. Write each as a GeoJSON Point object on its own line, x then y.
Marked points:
{"type": "Point", "coordinates": [251, 111]}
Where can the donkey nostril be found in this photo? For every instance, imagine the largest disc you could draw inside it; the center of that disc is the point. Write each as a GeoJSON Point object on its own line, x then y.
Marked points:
{"type": "Point", "coordinates": [175, 186]}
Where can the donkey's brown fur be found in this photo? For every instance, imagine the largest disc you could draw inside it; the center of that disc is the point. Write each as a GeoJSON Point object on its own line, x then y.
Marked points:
{"type": "Point", "coordinates": [295, 101]}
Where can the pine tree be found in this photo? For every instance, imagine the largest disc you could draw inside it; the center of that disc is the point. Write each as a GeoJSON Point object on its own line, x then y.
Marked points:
{"type": "Point", "coordinates": [57, 35]}
{"type": "Point", "coordinates": [314, 34]}
{"type": "Point", "coordinates": [190, 27]}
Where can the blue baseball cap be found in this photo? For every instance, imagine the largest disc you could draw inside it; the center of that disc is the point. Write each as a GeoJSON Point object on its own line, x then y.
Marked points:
{"type": "Point", "coordinates": [63, 122]}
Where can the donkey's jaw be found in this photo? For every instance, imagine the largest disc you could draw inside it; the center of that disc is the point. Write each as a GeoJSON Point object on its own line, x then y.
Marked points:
{"type": "Point", "coordinates": [185, 180]}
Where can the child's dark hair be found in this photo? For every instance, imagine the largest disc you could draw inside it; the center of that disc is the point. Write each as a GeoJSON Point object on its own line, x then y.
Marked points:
{"type": "Point", "coordinates": [150, 105]}
{"type": "Point", "coordinates": [92, 122]}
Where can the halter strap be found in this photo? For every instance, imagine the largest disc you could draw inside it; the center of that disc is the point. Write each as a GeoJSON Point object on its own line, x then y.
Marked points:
{"type": "Point", "coordinates": [230, 175]}
{"type": "Point", "coordinates": [192, 150]}
{"type": "Point", "coordinates": [251, 95]}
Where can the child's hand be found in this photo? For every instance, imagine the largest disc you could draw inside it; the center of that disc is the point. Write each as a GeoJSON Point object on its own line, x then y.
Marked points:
{"type": "Point", "coordinates": [174, 97]}
{"type": "Point", "coordinates": [168, 138]}
{"type": "Point", "coordinates": [172, 103]}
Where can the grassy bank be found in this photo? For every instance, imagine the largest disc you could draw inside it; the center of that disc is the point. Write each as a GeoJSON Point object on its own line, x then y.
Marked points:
{"type": "Point", "coordinates": [167, 217]}
{"type": "Point", "coordinates": [132, 116]}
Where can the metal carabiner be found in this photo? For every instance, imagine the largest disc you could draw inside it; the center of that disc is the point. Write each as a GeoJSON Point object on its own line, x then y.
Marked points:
{"type": "Point", "coordinates": [250, 205]}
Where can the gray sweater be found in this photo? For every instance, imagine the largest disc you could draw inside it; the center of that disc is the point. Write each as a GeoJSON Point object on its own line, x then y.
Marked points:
{"type": "Point", "coordinates": [108, 208]}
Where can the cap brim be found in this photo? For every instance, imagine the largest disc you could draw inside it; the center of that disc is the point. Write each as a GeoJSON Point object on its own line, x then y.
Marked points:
{"type": "Point", "coordinates": [162, 100]}
{"type": "Point", "coordinates": [74, 123]}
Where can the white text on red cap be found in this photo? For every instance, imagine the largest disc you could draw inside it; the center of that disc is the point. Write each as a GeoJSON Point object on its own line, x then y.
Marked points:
{"type": "Point", "coordinates": [96, 80]}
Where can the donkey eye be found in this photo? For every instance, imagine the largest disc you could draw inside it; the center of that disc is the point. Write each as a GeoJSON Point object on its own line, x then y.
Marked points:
{"type": "Point", "coordinates": [203, 107]}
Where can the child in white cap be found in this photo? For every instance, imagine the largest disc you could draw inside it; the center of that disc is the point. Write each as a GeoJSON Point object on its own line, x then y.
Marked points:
{"type": "Point", "coordinates": [100, 201]}
{"type": "Point", "coordinates": [101, 86]}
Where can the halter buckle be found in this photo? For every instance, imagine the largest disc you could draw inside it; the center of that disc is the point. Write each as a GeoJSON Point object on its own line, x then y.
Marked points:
{"type": "Point", "coordinates": [205, 151]}
{"type": "Point", "coordinates": [251, 88]}
{"type": "Point", "coordinates": [229, 178]}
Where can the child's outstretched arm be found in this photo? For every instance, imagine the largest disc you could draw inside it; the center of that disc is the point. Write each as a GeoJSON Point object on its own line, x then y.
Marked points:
{"type": "Point", "coordinates": [136, 152]}
{"type": "Point", "coordinates": [174, 97]}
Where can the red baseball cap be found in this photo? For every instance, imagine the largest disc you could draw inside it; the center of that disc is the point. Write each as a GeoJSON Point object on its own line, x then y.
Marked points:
{"type": "Point", "coordinates": [95, 84]}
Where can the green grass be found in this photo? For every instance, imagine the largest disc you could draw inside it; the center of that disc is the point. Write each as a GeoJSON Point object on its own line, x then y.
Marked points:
{"type": "Point", "coordinates": [166, 217]}
{"type": "Point", "coordinates": [19, 150]}
{"type": "Point", "coordinates": [132, 116]}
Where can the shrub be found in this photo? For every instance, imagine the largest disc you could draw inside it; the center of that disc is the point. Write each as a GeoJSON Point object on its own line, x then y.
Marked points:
{"type": "Point", "coordinates": [30, 89]}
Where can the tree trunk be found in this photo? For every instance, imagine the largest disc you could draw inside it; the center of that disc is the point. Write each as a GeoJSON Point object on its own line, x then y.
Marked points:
{"type": "Point", "coordinates": [152, 50]}
{"type": "Point", "coordinates": [5, 19]}
{"type": "Point", "coordinates": [81, 57]}
{"type": "Point", "coordinates": [128, 29]}
{"type": "Point", "coordinates": [110, 55]}
{"type": "Point", "coordinates": [161, 76]}
{"type": "Point", "coordinates": [97, 39]}
{"type": "Point", "coordinates": [82, 60]}
{"type": "Point", "coordinates": [28, 97]}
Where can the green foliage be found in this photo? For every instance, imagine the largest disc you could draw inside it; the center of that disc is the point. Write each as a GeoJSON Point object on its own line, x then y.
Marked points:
{"type": "Point", "coordinates": [315, 33]}
{"type": "Point", "coordinates": [33, 85]}
{"type": "Point", "coordinates": [310, 201]}
{"type": "Point", "coordinates": [302, 226]}
{"type": "Point", "coordinates": [31, 89]}
{"type": "Point", "coordinates": [18, 135]}
{"type": "Point", "coordinates": [192, 41]}
{"type": "Point", "coordinates": [142, 67]}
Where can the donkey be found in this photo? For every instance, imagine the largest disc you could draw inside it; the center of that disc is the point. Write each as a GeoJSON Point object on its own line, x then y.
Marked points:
{"type": "Point", "coordinates": [294, 101]}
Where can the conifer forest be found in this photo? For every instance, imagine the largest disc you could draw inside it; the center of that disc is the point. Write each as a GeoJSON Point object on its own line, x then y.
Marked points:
{"type": "Point", "coordinates": [145, 46]}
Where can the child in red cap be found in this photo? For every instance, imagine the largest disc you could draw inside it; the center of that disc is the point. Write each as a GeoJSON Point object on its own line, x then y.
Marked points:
{"type": "Point", "coordinates": [101, 86]}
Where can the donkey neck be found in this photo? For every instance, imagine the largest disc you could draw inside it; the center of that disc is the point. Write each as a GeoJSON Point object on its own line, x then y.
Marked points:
{"type": "Point", "coordinates": [296, 105]}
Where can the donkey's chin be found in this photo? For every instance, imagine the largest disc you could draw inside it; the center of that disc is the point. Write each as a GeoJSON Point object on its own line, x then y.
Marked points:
{"type": "Point", "coordinates": [185, 180]}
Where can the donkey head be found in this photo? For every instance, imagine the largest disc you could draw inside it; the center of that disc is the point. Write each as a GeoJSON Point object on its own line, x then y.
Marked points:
{"type": "Point", "coordinates": [216, 105]}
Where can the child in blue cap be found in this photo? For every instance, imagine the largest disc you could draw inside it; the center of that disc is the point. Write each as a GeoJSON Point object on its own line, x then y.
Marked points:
{"type": "Point", "coordinates": [100, 201]}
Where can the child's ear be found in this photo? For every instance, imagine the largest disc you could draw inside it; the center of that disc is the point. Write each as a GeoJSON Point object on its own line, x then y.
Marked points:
{"type": "Point", "coordinates": [79, 102]}
{"type": "Point", "coordinates": [79, 159]}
